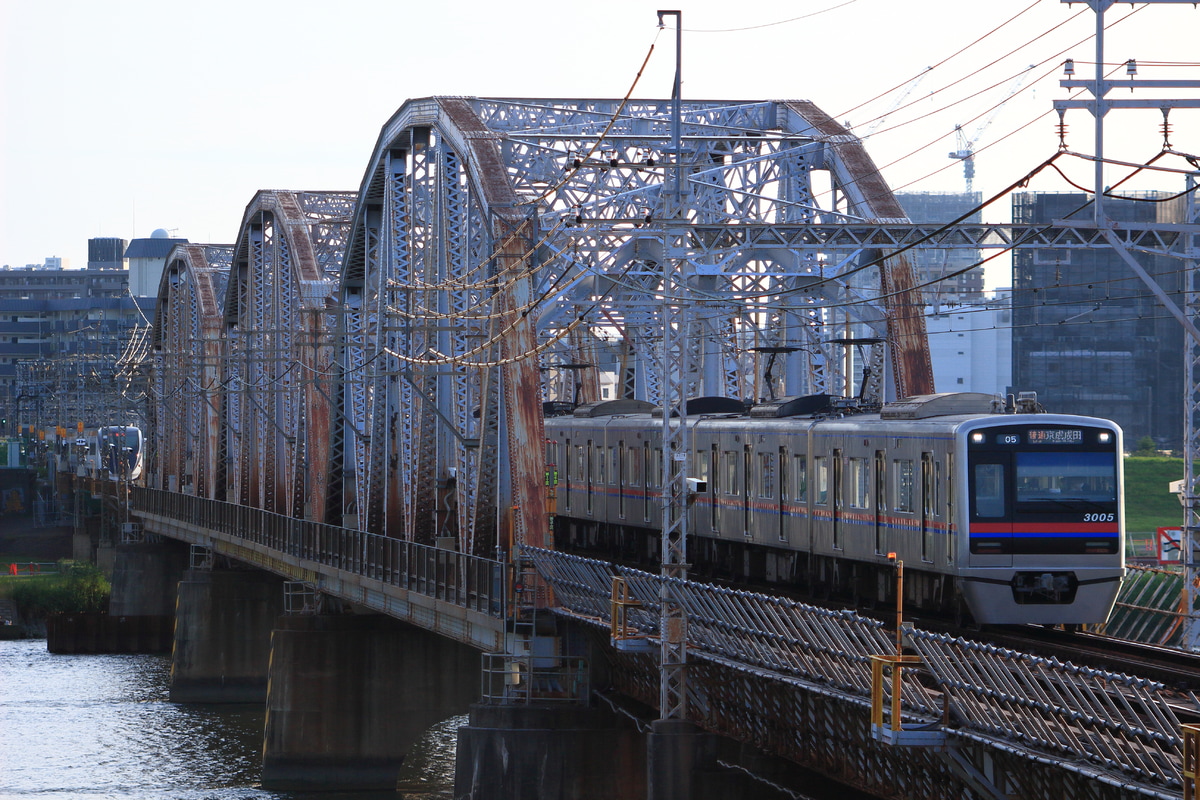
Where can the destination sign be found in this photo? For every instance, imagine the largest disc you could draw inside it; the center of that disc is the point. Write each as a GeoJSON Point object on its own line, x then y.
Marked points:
{"type": "Point", "coordinates": [1054, 436]}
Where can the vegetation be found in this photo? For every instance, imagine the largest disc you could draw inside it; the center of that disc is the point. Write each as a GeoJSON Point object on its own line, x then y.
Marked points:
{"type": "Point", "coordinates": [77, 588]}
{"type": "Point", "coordinates": [1148, 503]}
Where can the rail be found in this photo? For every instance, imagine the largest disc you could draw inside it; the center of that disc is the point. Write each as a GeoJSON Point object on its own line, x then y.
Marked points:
{"type": "Point", "coordinates": [1088, 719]}
{"type": "Point", "coordinates": [467, 581]}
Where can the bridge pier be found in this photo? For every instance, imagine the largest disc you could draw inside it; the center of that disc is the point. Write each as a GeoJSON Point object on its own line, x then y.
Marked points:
{"type": "Point", "coordinates": [540, 752]}
{"type": "Point", "coordinates": [223, 623]}
{"type": "Point", "coordinates": [348, 695]}
{"type": "Point", "coordinates": [144, 577]}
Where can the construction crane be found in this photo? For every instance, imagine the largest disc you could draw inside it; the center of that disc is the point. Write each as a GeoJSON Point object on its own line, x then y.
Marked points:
{"type": "Point", "coordinates": [965, 151]}
{"type": "Point", "coordinates": [909, 89]}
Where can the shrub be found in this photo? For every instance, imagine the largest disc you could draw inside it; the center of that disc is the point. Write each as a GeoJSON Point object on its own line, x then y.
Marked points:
{"type": "Point", "coordinates": [79, 588]}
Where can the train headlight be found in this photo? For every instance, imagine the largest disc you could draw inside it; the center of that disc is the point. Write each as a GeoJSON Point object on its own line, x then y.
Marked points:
{"type": "Point", "coordinates": [977, 437]}
{"type": "Point", "coordinates": [1105, 437]}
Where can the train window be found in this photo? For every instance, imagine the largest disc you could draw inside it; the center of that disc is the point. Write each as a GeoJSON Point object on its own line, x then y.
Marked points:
{"type": "Point", "coordinates": [598, 472]}
{"type": "Point", "coordinates": [633, 467]}
{"type": "Point", "coordinates": [714, 489]}
{"type": "Point", "coordinates": [568, 459]}
{"type": "Point", "coordinates": [937, 488]}
{"type": "Point", "coordinates": [821, 474]}
{"type": "Point", "coordinates": [766, 474]}
{"type": "Point", "coordinates": [655, 476]}
{"type": "Point", "coordinates": [1063, 477]}
{"type": "Point", "coordinates": [800, 478]}
{"type": "Point", "coordinates": [702, 467]}
{"type": "Point", "coordinates": [580, 462]}
{"type": "Point", "coordinates": [614, 456]}
{"type": "Point", "coordinates": [904, 484]}
{"type": "Point", "coordinates": [989, 490]}
{"type": "Point", "coordinates": [730, 478]}
{"type": "Point", "coordinates": [784, 475]}
{"type": "Point", "coordinates": [860, 487]}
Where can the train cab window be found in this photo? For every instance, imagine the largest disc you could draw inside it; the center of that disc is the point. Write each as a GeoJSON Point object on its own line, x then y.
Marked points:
{"type": "Point", "coordinates": [821, 475]}
{"type": "Point", "coordinates": [800, 478]}
{"type": "Point", "coordinates": [904, 484]}
{"type": "Point", "coordinates": [859, 488]}
{"type": "Point", "coordinates": [988, 497]}
{"type": "Point", "coordinates": [702, 467]}
{"type": "Point", "coordinates": [730, 477]}
{"type": "Point", "coordinates": [766, 474]}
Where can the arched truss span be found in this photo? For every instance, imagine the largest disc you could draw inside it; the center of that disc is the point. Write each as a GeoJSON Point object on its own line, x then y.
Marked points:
{"type": "Point", "coordinates": [503, 244]}
{"type": "Point", "coordinates": [186, 339]}
{"type": "Point", "coordinates": [274, 432]}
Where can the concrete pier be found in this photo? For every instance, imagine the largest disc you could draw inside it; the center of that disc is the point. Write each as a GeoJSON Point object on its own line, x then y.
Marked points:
{"type": "Point", "coordinates": [350, 694]}
{"type": "Point", "coordinates": [144, 578]}
{"type": "Point", "coordinates": [223, 623]}
{"type": "Point", "coordinates": [565, 752]}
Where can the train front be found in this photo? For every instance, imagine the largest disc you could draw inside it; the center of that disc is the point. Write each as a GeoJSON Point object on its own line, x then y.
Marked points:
{"type": "Point", "coordinates": [1043, 534]}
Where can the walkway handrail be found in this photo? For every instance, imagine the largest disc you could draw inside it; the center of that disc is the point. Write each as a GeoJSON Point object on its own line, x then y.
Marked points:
{"type": "Point", "coordinates": [471, 582]}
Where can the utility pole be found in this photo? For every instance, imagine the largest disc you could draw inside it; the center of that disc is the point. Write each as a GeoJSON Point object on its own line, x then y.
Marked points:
{"type": "Point", "coordinates": [672, 622]}
{"type": "Point", "coordinates": [1099, 105]}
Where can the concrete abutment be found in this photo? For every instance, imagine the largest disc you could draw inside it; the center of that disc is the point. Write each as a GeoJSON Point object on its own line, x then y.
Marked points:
{"type": "Point", "coordinates": [348, 695]}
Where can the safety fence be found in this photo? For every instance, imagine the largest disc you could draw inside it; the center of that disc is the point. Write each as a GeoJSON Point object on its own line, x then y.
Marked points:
{"type": "Point", "coordinates": [1149, 607]}
{"type": "Point", "coordinates": [1081, 718]}
{"type": "Point", "coordinates": [471, 582]}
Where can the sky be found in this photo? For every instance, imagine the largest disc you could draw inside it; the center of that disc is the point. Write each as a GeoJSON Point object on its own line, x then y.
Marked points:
{"type": "Point", "coordinates": [122, 117]}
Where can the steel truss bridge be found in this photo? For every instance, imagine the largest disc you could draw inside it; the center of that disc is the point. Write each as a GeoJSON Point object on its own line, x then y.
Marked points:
{"type": "Point", "coordinates": [794, 680]}
{"type": "Point", "coordinates": [376, 362]}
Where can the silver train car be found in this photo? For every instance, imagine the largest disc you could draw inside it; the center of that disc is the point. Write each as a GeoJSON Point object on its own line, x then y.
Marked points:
{"type": "Point", "coordinates": [118, 452]}
{"type": "Point", "coordinates": [1003, 516]}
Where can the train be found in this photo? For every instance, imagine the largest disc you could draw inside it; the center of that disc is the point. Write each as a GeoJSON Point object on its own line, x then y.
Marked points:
{"type": "Point", "coordinates": [1000, 512]}
{"type": "Point", "coordinates": [118, 452]}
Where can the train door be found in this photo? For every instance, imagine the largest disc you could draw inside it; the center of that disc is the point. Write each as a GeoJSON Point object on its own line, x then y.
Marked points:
{"type": "Point", "coordinates": [928, 505]}
{"type": "Point", "coordinates": [880, 492]}
{"type": "Point", "coordinates": [748, 480]}
{"type": "Point", "coordinates": [989, 517]}
{"type": "Point", "coordinates": [781, 510]}
{"type": "Point", "coordinates": [588, 478]}
{"type": "Point", "coordinates": [714, 487]}
{"type": "Point", "coordinates": [835, 488]}
{"type": "Point", "coordinates": [568, 456]}
{"type": "Point", "coordinates": [622, 479]}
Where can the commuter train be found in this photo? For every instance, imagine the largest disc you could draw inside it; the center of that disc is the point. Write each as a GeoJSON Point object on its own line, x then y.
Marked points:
{"type": "Point", "coordinates": [1001, 513]}
{"type": "Point", "coordinates": [118, 452]}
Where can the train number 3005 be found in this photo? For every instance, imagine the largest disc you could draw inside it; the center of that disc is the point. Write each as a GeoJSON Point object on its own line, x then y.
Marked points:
{"type": "Point", "coordinates": [1099, 517]}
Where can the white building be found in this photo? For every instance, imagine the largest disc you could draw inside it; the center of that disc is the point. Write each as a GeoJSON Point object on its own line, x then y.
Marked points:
{"type": "Point", "coordinates": [971, 346]}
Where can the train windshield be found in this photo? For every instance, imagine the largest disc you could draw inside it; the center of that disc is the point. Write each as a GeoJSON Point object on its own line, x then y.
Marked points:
{"type": "Point", "coordinates": [1066, 477]}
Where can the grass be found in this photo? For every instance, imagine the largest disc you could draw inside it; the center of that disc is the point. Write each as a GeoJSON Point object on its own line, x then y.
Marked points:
{"type": "Point", "coordinates": [77, 588]}
{"type": "Point", "coordinates": [1148, 503]}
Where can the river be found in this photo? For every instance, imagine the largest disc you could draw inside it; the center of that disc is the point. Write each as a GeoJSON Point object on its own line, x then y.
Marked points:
{"type": "Point", "coordinates": [74, 727]}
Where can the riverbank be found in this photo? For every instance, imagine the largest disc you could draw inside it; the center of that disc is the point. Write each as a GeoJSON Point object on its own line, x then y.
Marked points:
{"type": "Point", "coordinates": [23, 542]}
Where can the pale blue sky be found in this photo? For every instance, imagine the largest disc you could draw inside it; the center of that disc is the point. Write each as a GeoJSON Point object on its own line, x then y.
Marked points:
{"type": "Point", "coordinates": [126, 116]}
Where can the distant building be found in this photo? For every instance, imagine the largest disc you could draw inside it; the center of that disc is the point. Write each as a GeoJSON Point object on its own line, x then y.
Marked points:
{"type": "Point", "coordinates": [106, 253]}
{"type": "Point", "coordinates": [958, 282]}
{"type": "Point", "coordinates": [1088, 336]}
{"type": "Point", "coordinates": [61, 327]}
{"type": "Point", "coordinates": [147, 258]}
{"type": "Point", "coordinates": [970, 345]}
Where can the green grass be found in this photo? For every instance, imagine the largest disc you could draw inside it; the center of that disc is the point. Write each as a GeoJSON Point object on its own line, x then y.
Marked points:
{"type": "Point", "coordinates": [78, 588]}
{"type": "Point", "coordinates": [1148, 503]}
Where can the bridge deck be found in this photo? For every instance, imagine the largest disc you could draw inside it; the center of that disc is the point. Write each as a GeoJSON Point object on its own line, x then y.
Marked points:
{"type": "Point", "coordinates": [458, 596]}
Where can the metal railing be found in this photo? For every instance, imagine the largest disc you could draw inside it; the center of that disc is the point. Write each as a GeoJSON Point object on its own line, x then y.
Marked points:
{"type": "Point", "coordinates": [1149, 607]}
{"type": "Point", "coordinates": [1108, 720]}
{"type": "Point", "coordinates": [467, 581]}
